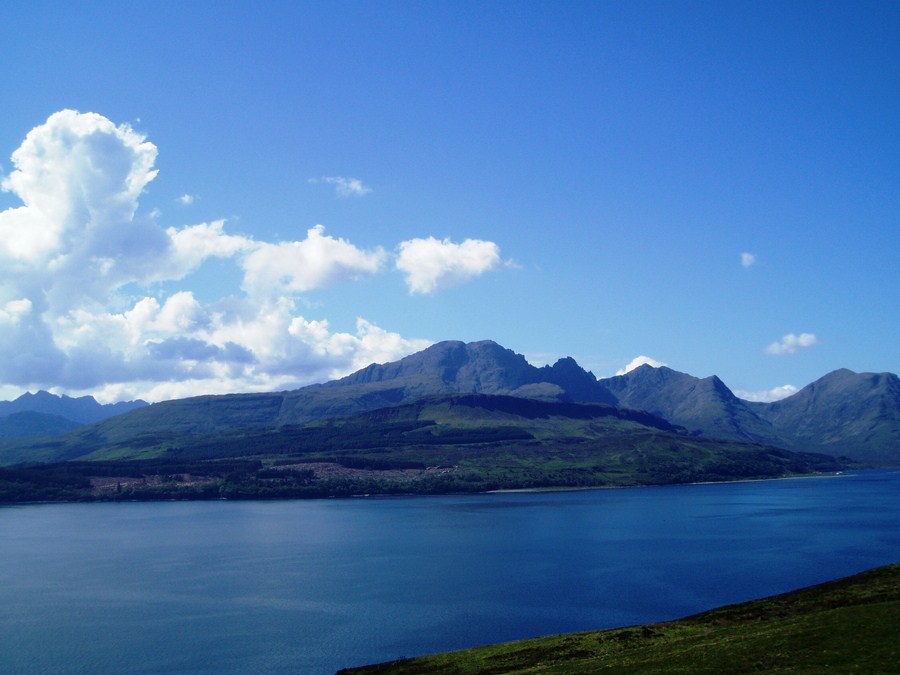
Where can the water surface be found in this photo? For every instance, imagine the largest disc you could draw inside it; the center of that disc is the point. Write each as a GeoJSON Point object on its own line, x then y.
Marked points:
{"type": "Point", "coordinates": [312, 586]}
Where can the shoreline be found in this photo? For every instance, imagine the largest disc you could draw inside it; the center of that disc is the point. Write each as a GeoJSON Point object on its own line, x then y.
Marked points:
{"type": "Point", "coordinates": [388, 495]}
{"type": "Point", "coordinates": [834, 474]}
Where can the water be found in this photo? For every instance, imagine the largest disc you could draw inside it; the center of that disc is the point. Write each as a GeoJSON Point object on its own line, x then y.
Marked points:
{"type": "Point", "coordinates": [313, 586]}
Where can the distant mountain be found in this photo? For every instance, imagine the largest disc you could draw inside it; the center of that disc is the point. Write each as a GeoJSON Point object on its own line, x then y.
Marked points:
{"type": "Point", "coordinates": [705, 406]}
{"type": "Point", "coordinates": [27, 424]}
{"type": "Point", "coordinates": [83, 410]}
{"type": "Point", "coordinates": [843, 413]}
{"type": "Point", "coordinates": [444, 368]}
{"type": "Point", "coordinates": [856, 414]}
{"type": "Point", "coordinates": [478, 367]}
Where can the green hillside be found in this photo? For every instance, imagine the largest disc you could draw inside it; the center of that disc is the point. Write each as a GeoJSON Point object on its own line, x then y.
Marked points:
{"type": "Point", "coordinates": [456, 443]}
{"type": "Point", "coordinates": [29, 424]}
{"type": "Point", "coordinates": [847, 626]}
{"type": "Point", "coordinates": [842, 414]}
{"type": "Point", "coordinates": [857, 414]}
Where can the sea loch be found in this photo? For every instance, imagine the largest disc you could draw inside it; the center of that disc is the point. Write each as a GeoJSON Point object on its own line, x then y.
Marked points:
{"type": "Point", "coordinates": [312, 586]}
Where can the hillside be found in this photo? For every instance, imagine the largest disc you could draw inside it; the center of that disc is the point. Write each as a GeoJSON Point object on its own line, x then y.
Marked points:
{"type": "Point", "coordinates": [29, 424]}
{"type": "Point", "coordinates": [451, 443]}
{"type": "Point", "coordinates": [445, 368]}
{"type": "Point", "coordinates": [842, 414]}
{"type": "Point", "coordinates": [851, 625]}
{"type": "Point", "coordinates": [705, 405]}
{"type": "Point", "coordinates": [854, 413]}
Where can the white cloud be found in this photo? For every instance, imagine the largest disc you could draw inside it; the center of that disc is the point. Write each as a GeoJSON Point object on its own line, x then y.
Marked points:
{"type": "Point", "coordinates": [182, 348]}
{"type": "Point", "coordinates": [790, 343]}
{"type": "Point", "coordinates": [300, 266]}
{"type": "Point", "coordinates": [344, 187]}
{"type": "Point", "coordinates": [775, 394]}
{"type": "Point", "coordinates": [77, 235]}
{"type": "Point", "coordinates": [79, 177]}
{"type": "Point", "coordinates": [186, 199]}
{"type": "Point", "coordinates": [748, 259]}
{"type": "Point", "coordinates": [430, 264]}
{"type": "Point", "coordinates": [194, 244]}
{"type": "Point", "coordinates": [93, 297]}
{"type": "Point", "coordinates": [14, 310]}
{"type": "Point", "coordinates": [639, 361]}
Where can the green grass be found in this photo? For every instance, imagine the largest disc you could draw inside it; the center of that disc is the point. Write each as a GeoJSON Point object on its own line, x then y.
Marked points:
{"type": "Point", "coordinates": [850, 625]}
{"type": "Point", "coordinates": [479, 443]}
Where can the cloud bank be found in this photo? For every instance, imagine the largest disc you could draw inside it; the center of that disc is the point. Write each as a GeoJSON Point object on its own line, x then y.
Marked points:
{"type": "Point", "coordinates": [92, 298]}
{"type": "Point", "coordinates": [790, 343]}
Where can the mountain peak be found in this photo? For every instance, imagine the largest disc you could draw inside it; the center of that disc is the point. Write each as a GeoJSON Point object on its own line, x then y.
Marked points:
{"type": "Point", "coordinates": [706, 406]}
{"type": "Point", "coordinates": [84, 409]}
{"type": "Point", "coordinates": [483, 367]}
{"type": "Point", "coordinates": [842, 413]}
{"type": "Point", "coordinates": [579, 384]}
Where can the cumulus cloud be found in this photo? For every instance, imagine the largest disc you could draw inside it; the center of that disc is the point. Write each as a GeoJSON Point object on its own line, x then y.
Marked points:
{"type": "Point", "coordinates": [344, 187]}
{"type": "Point", "coordinates": [192, 245]}
{"type": "Point", "coordinates": [430, 264]}
{"type": "Point", "coordinates": [77, 236]}
{"type": "Point", "coordinates": [790, 343]}
{"type": "Point", "coordinates": [77, 260]}
{"type": "Point", "coordinates": [300, 266]}
{"type": "Point", "coordinates": [639, 361]}
{"type": "Point", "coordinates": [748, 259]}
{"type": "Point", "coordinates": [182, 347]}
{"type": "Point", "coordinates": [775, 394]}
{"type": "Point", "coordinates": [77, 173]}
{"type": "Point", "coordinates": [79, 177]}
{"type": "Point", "coordinates": [186, 199]}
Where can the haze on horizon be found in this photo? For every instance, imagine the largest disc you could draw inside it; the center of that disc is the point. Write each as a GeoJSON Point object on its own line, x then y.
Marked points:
{"type": "Point", "coordinates": [258, 197]}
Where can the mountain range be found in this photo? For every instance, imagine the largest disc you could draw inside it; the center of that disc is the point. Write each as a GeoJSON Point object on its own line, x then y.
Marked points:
{"type": "Point", "coordinates": [841, 414]}
{"type": "Point", "coordinates": [46, 414]}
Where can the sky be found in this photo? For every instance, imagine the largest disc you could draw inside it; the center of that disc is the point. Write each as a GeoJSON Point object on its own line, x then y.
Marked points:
{"type": "Point", "coordinates": [214, 197]}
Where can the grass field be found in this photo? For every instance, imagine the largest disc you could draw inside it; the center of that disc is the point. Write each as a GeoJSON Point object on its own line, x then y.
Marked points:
{"type": "Point", "coordinates": [850, 625]}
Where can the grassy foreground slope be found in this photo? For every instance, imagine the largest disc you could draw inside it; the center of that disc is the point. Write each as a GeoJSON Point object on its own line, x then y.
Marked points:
{"type": "Point", "coordinates": [851, 625]}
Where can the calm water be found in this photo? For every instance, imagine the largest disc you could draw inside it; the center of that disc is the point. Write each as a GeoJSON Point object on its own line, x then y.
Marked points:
{"type": "Point", "coordinates": [312, 586]}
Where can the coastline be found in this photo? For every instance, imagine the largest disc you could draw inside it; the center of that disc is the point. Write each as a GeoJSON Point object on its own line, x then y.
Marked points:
{"type": "Point", "coordinates": [148, 497]}
{"type": "Point", "coordinates": [833, 474]}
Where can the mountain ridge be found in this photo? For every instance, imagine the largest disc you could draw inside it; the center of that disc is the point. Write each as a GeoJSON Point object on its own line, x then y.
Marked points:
{"type": "Point", "coordinates": [842, 413]}
{"type": "Point", "coordinates": [704, 405]}
{"type": "Point", "coordinates": [43, 413]}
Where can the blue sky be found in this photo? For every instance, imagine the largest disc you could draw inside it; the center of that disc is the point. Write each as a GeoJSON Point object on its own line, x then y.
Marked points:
{"type": "Point", "coordinates": [235, 196]}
